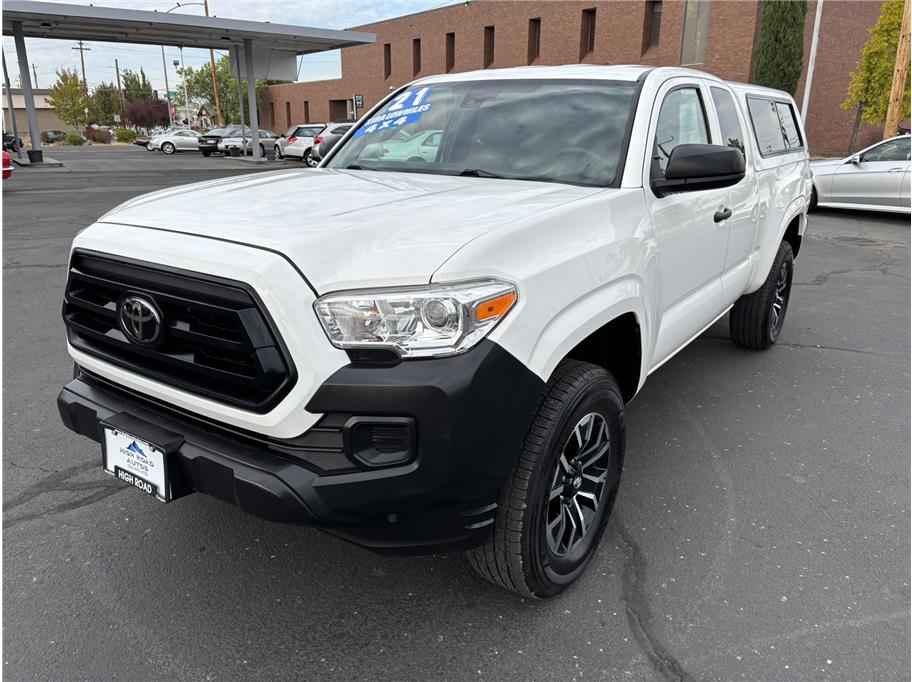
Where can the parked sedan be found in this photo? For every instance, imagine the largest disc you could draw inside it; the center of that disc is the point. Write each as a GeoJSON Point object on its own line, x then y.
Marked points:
{"type": "Point", "coordinates": [208, 142]}
{"type": "Point", "coordinates": [323, 143]}
{"type": "Point", "coordinates": [876, 178]}
{"type": "Point", "coordinates": [176, 141]}
{"type": "Point", "coordinates": [291, 136]}
{"type": "Point", "coordinates": [243, 142]}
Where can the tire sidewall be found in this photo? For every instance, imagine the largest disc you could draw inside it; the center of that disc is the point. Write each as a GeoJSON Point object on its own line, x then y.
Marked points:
{"type": "Point", "coordinates": [784, 256]}
{"type": "Point", "coordinates": [168, 148]}
{"type": "Point", "coordinates": [549, 574]}
{"type": "Point", "coordinates": [278, 152]}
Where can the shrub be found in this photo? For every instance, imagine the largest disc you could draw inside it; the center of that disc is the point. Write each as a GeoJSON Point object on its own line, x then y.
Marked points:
{"type": "Point", "coordinates": [74, 139]}
{"type": "Point", "coordinates": [125, 135]}
{"type": "Point", "coordinates": [96, 135]}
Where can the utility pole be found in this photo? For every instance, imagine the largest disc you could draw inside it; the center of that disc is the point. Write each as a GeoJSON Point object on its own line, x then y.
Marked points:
{"type": "Point", "coordinates": [809, 79]}
{"type": "Point", "coordinates": [35, 74]}
{"type": "Point", "coordinates": [82, 51]}
{"type": "Point", "coordinates": [12, 111]}
{"type": "Point", "coordinates": [218, 104]}
{"type": "Point", "coordinates": [123, 108]}
{"type": "Point", "coordinates": [900, 77]}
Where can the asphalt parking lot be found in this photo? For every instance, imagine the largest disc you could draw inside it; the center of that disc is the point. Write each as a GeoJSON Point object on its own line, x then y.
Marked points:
{"type": "Point", "coordinates": [761, 531]}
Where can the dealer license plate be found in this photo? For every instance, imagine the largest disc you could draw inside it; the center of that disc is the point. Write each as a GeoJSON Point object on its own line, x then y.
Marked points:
{"type": "Point", "coordinates": [136, 463]}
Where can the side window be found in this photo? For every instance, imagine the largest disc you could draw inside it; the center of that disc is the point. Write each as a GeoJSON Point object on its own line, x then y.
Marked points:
{"type": "Point", "coordinates": [767, 126]}
{"type": "Point", "coordinates": [682, 120]}
{"type": "Point", "coordinates": [432, 140]}
{"type": "Point", "coordinates": [729, 123]}
{"type": "Point", "coordinates": [892, 150]}
{"type": "Point", "coordinates": [789, 126]}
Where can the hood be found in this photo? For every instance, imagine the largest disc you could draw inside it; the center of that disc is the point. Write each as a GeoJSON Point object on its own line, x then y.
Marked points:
{"type": "Point", "coordinates": [348, 229]}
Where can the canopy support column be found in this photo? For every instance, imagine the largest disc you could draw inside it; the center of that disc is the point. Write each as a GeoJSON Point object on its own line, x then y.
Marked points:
{"type": "Point", "coordinates": [251, 99]}
{"type": "Point", "coordinates": [35, 154]}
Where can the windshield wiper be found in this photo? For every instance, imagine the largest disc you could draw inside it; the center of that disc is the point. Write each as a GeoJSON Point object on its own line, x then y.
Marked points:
{"type": "Point", "coordinates": [478, 173]}
{"type": "Point", "coordinates": [355, 166]}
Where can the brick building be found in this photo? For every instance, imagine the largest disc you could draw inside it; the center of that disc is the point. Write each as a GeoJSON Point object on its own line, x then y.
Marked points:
{"type": "Point", "coordinates": [717, 36]}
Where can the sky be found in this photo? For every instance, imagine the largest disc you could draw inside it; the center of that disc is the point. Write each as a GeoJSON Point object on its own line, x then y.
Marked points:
{"type": "Point", "coordinates": [50, 55]}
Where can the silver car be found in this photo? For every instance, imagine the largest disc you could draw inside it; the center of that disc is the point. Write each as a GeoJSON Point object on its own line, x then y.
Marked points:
{"type": "Point", "coordinates": [876, 178]}
{"type": "Point", "coordinates": [291, 136]}
{"type": "Point", "coordinates": [175, 141]}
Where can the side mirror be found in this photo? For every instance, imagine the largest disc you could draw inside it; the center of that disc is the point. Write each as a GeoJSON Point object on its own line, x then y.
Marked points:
{"type": "Point", "coordinates": [855, 160]}
{"type": "Point", "coordinates": [694, 167]}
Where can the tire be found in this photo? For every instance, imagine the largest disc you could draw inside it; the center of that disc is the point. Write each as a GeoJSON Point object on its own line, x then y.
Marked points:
{"type": "Point", "coordinates": [168, 148]}
{"type": "Point", "coordinates": [263, 152]}
{"type": "Point", "coordinates": [813, 205]}
{"type": "Point", "coordinates": [149, 148]}
{"type": "Point", "coordinates": [756, 319]}
{"type": "Point", "coordinates": [206, 154]}
{"type": "Point", "coordinates": [521, 555]}
{"type": "Point", "coordinates": [309, 159]}
{"type": "Point", "coordinates": [278, 152]}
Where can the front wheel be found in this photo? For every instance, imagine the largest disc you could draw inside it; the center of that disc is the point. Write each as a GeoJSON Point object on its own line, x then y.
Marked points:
{"type": "Point", "coordinates": [553, 510]}
{"type": "Point", "coordinates": [168, 148]}
{"type": "Point", "coordinates": [756, 319]}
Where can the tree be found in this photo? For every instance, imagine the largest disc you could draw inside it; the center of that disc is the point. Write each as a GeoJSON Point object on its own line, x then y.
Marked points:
{"type": "Point", "coordinates": [147, 113]}
{"type": "Point", "coordinates": [104, 104]}
{"type": "Point", "coordinates": [200, 90]}
{"type": "Point", "coordinates": [779, 55]}
{"type": "Point", "coordinates": [68, 98]}
{"type": "Point", "coordinates": [136, 86]}
{"type": "Point", "coordinates": [869, 88]}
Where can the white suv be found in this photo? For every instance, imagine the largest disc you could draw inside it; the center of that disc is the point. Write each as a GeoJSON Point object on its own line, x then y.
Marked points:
{"type": "Point", "coordinates": [437, 354]}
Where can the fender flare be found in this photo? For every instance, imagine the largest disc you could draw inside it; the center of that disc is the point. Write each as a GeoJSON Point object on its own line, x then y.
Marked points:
{"type": "Point", "coordinates": [767, 251]}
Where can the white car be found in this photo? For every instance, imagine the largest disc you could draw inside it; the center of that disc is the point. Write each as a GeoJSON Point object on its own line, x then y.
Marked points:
{"type": "Point", "coordinates": [245, 144]}
{"type": "Point", "coordinates": [175, 141]}
{"type": "Point", "coordinates": [301, 145]}
{"type": "Point", "coordinates": [296, 135]}
{"type": "Point", "coordinates": [876, 178]}
{"type": "Point", "coordinates": [437, 355]}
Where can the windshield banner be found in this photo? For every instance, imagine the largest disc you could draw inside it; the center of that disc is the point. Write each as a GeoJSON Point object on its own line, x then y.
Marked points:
{"type": "Point", "coordinates": [407, 107]}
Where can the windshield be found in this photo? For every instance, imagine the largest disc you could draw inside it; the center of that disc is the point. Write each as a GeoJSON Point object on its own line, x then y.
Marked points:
{"type": "Point", "coordinates": [568, 131]}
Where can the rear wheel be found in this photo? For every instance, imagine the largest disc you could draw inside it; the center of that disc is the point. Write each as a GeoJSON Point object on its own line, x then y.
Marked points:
{"type": "Point", "coordinates": [278, 151]}
{"type": "Point", "coordinates": [756, 319]}
{"type": "Point", "coordinates": [206, 153]}
{"type": "Point", "coordinates": [309, 159]}
{"type": "Point", "coordinates": [553, 510]}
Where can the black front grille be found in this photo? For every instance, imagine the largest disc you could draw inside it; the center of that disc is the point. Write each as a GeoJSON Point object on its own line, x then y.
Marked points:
{"type": "Point", "coordinates": [217, 340]}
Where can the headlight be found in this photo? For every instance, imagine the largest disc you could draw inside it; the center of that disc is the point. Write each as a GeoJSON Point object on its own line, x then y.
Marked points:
{"type": "Point", "coordinates": [416, 322]}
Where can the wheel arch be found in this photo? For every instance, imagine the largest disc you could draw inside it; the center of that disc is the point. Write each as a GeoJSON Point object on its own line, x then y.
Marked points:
{"type": "Point", "coordinates": [617, 347]}
{"type": "Point", "coordinates": [790, 230]}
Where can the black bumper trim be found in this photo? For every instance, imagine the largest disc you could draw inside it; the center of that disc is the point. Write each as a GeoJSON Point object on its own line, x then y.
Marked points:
{"type": "Point", "coordinates": [470, 412]}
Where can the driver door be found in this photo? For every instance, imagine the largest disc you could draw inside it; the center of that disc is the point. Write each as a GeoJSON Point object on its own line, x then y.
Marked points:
{"type": "Point", "coordinates": [691, 242]}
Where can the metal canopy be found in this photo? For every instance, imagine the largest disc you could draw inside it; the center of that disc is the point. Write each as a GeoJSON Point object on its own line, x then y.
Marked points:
{"type": "Point", "coordinates": [110, 24]}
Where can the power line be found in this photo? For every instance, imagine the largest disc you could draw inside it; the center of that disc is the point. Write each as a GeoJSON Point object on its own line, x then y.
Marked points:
{"type": "Point", "coordinates": [82, 51]}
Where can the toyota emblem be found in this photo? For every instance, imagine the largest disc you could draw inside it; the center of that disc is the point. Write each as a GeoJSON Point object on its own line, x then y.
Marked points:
{"type": "Point", "coordinates": [140, 320]}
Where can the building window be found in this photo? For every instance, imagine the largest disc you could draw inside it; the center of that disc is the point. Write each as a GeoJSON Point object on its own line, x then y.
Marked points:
{"type": "Point", "coordinates": [587, 32]}
{"type": "Point", "coordinates": [272, 114]}
{"type": "Point", "coordinates": [450, 51]}
{"type": "Point", "coordinates": [534, 39]}
{"type": "Point", "coordinates": [693, 37]}
{"type": "Point", "coordinates": [652, 24]}
{"type": "Point", "coordinates": [306, 112]}
{"type": "Point", "coordinates": [387, 60]}
{"type": "Point", "coordinates": [416, 56]}
{"type": "Point", "coordinates": [488, 46]}
{"type": "Point", "coordinates": [287, 114]}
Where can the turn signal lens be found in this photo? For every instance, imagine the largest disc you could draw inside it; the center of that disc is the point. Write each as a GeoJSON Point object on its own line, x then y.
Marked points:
{"type": "Point", "coordinates": [495, 308]}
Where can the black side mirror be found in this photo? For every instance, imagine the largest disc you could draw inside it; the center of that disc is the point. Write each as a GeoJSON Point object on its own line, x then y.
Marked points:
{"type": "Point", "coordinates": [693, 167]}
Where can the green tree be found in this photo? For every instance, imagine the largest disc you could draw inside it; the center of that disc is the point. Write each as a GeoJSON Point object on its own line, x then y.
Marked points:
{"type": "Point", "coordinates": [779, 54]}
{"type": "Point", "coordinates": [136, 86]}
{"type": "Point", "coordinates": [68, 98]}
{"type": "Point", "coordinates": [870, 85]}
{"type": "Point", "coordinates": [104, 104]}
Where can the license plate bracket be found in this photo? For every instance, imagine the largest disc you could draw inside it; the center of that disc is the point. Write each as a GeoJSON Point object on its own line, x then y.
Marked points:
{"type": "Point", "coordinates": [140, 454]}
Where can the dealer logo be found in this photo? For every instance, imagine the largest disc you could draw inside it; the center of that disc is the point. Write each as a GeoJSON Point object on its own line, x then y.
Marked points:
{"type": "Point", "coordinates": [140, 320]}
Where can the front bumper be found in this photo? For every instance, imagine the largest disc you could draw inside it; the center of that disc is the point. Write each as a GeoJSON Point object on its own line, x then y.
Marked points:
{"type": "Point", "coordinates": [470, 414]}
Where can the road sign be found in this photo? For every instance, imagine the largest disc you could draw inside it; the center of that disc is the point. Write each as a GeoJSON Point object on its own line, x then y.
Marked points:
{"type": "Point", "coordinates": [172, 94]}
{"type": "Point", "coordinates": [359, 101]}
{"type": "Point", "coordinates": [116, 118]}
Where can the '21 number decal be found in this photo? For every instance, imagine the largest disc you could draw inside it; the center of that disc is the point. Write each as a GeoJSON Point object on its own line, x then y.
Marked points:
{"type": "Point", "coordinates": [399, 101]}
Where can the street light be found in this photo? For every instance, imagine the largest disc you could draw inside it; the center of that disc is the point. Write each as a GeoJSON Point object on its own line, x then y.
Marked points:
{"type": "Point", "coordinates": [183, 76]}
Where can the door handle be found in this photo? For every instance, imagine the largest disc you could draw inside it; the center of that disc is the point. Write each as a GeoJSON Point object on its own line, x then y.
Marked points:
{"type": "Point", "coordinates": [724, 213]}
{"type": "Point", "coordinates": [896, 170]}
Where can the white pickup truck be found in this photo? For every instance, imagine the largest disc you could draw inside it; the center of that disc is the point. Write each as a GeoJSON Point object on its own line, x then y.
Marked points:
{"type": "Point", "coordinates": [437, 354]}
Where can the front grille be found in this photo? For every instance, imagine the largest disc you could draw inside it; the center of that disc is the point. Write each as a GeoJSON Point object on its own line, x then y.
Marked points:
{"type": "Point", "coordinates": [217, 339]}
